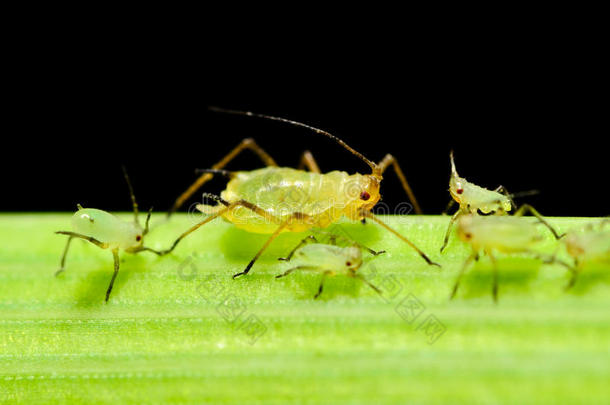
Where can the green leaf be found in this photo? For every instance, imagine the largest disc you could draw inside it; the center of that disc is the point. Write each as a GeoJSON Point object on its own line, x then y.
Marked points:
{"type": "Point", "coordinates": [180, 329]}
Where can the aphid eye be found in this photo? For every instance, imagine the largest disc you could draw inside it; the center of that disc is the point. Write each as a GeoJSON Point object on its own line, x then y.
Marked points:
{"type": "Point", "coordinates": [138, 238]}
{"type": "Point", "coordinates": [348, 263]}
{"type": "Point", "coordinates": [468, 235]}
{"type": "Point", "coordinates": [365, 195]}
{"type": "Point", "coordinates": [459, 190]}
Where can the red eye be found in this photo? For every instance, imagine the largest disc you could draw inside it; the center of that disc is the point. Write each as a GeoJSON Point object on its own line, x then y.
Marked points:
{"type": "Point", "coordinates": [459, 190]}
{"type": "Point", "coordinates": [348, 263]}
{"type": "Point", "coordinates": [365, 196]}
{"type": "Point", "coordinates": [138, 238]}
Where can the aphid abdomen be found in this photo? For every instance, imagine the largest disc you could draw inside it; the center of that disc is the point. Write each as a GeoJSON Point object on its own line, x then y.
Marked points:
{"type": "Point", "coordinates": [282, 192]}
{"type": "Point", "coordinates": [505, 234]}
{"type": "Point", "coordinates": [104, 227]}
{"type": "Point", "coordinates": [329, 257]}
{"type": "Point", "coordinates": [484, 200]}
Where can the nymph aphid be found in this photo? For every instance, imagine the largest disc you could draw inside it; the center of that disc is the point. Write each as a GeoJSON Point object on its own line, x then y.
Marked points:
{"type": "Point", "coordinates": [473, 199]}
{"type": "Point", "coordinates": [275, 199]}
{"type": "Point", "coordinates": [588, 245]}
{"type": "Point", "coordinates": [503, 234]}
{"type": "Point", "coordinates": [108, 232]}
{"type": "Point", "coordinates": [330, 259]}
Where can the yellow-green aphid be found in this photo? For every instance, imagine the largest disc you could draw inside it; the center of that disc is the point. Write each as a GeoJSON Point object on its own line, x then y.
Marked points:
{"type": "Point", "coordinates": [275, 199]}
{"type": "Point", "coordinates": [588, 245]}
{"type": "Point", "coordinates": [490, 234]}
{"type": "Point", "coordinates": [330, 259]}
{"type": "Point", "coordinates": [473, 199]}
{"type": "Point", "coordinates": [108, 232]}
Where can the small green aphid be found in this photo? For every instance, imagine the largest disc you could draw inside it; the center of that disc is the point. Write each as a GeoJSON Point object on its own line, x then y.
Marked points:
{"type": "Point", "coordinates": [275, 199]}
{"type": "Point", "coordinates": [588, 245]}
{"type": "Point", "coordinates": [330, 259]}
{"type": "Point", "coordinates": [503, 234]}
{"type": "Point", "coordinates": [473, 199]}
{"type": "Point", "coordinates": [108, 232]}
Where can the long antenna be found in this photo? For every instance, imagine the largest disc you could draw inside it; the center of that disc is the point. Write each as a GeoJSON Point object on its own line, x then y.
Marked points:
{"type": "Point", "coordinates": [453, 171]}
{"type": "Point", "coordinates": [354, 152]}
{"type": "Point", "coordinates": [131, 194]}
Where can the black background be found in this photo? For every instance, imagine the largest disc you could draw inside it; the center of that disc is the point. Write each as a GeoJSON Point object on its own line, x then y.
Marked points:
{"type": "Point", "coordinates": [523, 115]}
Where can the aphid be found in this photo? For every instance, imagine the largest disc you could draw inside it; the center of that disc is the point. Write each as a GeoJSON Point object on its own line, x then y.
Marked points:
{"type": "Point", "coordinates": [330, 259]}
{"type": "Point", "coordinates": [592, 244]}
{"type": "Point", "coordinates": [108, 232]}
{"type": "Point", "coordinates": [504, 234]}
{"type": "Point", "coordinates": [275, 199]}
{"type": "Point", "coordinates": [473, 199]}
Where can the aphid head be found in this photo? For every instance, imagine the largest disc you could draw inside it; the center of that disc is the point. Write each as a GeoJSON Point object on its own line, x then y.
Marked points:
{"type": "Point", "coordinates": [369, 193]}
{"type": "Point", "coordinates": [353, 258]}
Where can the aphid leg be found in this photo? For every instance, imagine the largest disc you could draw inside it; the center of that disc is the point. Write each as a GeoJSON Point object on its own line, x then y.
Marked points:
{"type": "Point", "coordinates": [367, 282]}
{"type": "Point", "coordinates": [115, 255]}
{"type": "Point", "coordinates": [194, 228]}
{"type": "Point", "coordinates": [370, 215]}
{"type": "Point", "coordinates": [226, 173]}
{"type": "Point", "coordinates": [459, 277]}
{"type": "Point", "coordinates": [247, 143]}
{"type": "Point", "coordinates": [228, 207]}
{"type": "Point", "coordinates": [494, 286]}
{"type": "Point", "coordinates": [391, 160]}
{"type": "Point", "coordinates": [287, 272]}
{"type": "Point", "coordinates": [371, 251]}
{"type": "Point", "coordinates": [308, 161]}
{"type": "Point", "coordinates": [324, 275]}
{"type": "Point", "coordinates": [85, 237]}
{"type": "Point", "coordinates": [63, 257]}
{"type": "Point", "coordinates": [306, 240]}
{"type": "Point", "coordinates": [274, 235]}
{"type": "Point", "coordinates": [448, 207]}
{"type": "Point", "coordinates": [529, 208]}
{"type": "Point", "coordinates": [448, 232]}
{"type": "Point", "coordinates": [132, 195]}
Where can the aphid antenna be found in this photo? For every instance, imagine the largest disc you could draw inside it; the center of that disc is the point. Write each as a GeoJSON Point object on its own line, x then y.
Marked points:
{"type": "Point", "coordinates": [371, 164]}
{"type": "Point", "coordinates": [146, 228]}
{"type": "Point", "coordinates": [453, 169]}
{"type": "Point", "coordinates": [218, 199]}
{"type": "Point", "coordinates": [131, 194]}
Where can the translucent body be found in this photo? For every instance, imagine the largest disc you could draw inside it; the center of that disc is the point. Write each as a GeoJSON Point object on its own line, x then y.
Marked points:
{"type": "Point", "coordinates": [329, 257]}
{"type": "Point", "coordinates": [504, 234]}
{"type": "Point", "coordinates": [282, 192]}
{"type": "Point", "coordinates": [589, 246]}
{"type": "Point", "coordinates": [471, 197]}
{"type": "Point", "coordinates": [107, 228]}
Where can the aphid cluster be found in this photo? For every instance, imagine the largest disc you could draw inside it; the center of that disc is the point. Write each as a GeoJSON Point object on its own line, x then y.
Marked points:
{"type": "Point", "coordinates": [273, 200]}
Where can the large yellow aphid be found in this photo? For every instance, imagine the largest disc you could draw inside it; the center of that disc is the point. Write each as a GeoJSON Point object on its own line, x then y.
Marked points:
{"type": "Point", "coordinates": [588, 245]}
{"type": "Point", "coordinates": [473, 199]}
{"type": "Point", "coordinates": [275, 199]}
{"type": "Point", "coordinates": [108, 232]}
{"type": "Point", "coordinates": [330, 259]}
{"type": "Point", "coordinates": [503, 234]}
